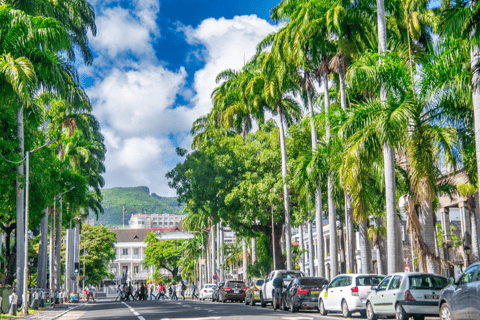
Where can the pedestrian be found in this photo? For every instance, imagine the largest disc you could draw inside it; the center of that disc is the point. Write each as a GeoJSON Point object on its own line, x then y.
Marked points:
{"type": "Point", "coordinates": [143, 292]}
{"type": "Point", "coordinates": [170, 291]}
{"type": "Point", "coordinates": [194, 288]}
{"type": "Point", "coordinates": [183, 288]}
{"type": "Point", "coordinates": [90, 292]}
{"type": "Point", "coordinates": [129, 292]}
{"type": "Point", "coordinates": [160, 293]}
{"type": "Point", "coordinates": [135, 290]}
{"type": "Point", "coordinates": [174, 295]}
{"type": "Point", "coordinates": [85, 293]}
{"type": "Point", "coordinates": [278, 287]}
{"type": "Point", "coordinates": [152, 288]}
{"type": "Point", "coordinates": [119, 293]}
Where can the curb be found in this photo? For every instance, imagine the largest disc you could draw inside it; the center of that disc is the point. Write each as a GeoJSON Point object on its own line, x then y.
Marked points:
{"type": "Point", "coordinates": [61, 314]}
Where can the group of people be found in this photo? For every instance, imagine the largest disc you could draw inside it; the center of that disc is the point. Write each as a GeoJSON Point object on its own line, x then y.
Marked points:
{"type": "Point", "coordinates": [125, 291]}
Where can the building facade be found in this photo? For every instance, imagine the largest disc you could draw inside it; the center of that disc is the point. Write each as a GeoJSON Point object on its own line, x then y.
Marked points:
{"type": "Point", "coordinates": [148, 221]}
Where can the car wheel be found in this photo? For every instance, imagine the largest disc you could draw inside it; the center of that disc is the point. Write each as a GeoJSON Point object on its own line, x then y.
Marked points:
{"type": "Point", "coordinates": [262, 302]}
{"type": "Point", "coordinates": [400, 313]}
{"type": "Point", "coordinates": [445, 312]}
{"type": "Point", "coordinates": [370, 313]}
{"type": "Point", "coordinates": [321, 308]}
{"type": "Point", "coordinates": [346, 313]}
{"type": "Point", "coordinates": [418, 317]}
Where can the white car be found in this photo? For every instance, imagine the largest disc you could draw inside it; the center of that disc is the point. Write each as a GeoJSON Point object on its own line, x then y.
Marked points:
{"type": "Point", "coordinates": [406, 295]}
{"type": "Point", "coordinates": [347, 293]}
{"type": "Point", "coordinates": [266, 292]}
{"type": "Point", "coordinates": [207, 291]}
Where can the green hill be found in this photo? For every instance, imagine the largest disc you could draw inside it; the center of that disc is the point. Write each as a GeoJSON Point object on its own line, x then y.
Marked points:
{"type": "Point", "coordinates": [135, 200]}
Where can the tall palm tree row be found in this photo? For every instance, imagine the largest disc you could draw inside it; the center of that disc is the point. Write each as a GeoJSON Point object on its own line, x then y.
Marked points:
{"type": "Point", "coordinates": [389, 112]}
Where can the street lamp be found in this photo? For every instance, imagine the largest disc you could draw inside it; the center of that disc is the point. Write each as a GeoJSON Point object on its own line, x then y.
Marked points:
{"type": "Point", "coordinates": [25, 264]}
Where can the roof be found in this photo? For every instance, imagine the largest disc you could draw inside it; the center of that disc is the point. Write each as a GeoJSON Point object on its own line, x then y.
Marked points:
{"type": "Point", "coordinates": [137, 235]}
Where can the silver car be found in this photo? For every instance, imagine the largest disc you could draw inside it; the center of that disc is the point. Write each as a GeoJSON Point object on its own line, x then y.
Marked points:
{"type": "Point", "coordinates": [406, 295]}
{"type": "Point", "coordinates": [461, 300]}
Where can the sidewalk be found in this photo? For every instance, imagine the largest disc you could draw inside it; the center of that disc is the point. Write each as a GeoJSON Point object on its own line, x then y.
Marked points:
{"type": "Point", "coordinates": [50, 313]}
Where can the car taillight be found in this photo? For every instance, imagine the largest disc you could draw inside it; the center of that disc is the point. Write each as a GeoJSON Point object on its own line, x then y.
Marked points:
{"type": "Point", "coordinates": [204, 290]}
{"type": "Point", "coordinates": [408, 296]}
{"type": "Point", "coordinates": [302, 291]}
{"type": "Point", "coordinates": [227, 288]}
{"type": "Point", "coordinates": [255, 289]}
{"type": "Point", "coordinates": [355, 291]}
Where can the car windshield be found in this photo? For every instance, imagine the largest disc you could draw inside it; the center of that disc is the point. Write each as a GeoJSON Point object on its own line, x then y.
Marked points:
{"type": "Point", "coordinates": [235, 284]}
{"type": "Point", "coordinates": [210, 286]}
{"type": "Point", "coordinates": [369, 281]}
{"type": "Point", "coordinates": [291, 275]}
{"type": "Point", "coordinates": [427, 282]}
{"type": "Point", "coordinates": [259, 282]}
{"type": "Point", "coordinates": [313, 282]}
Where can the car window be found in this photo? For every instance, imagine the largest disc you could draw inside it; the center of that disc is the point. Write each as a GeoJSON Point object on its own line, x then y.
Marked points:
{"type": "Point", "coordinates": [469, 275]}
{"type": "Point", "coordinates": [235, 284]}
{"type": "Point", "coordinates": [384, 284]}
{"type": "Point", "coordinates": [368, 281]}
{"type": "Point", "coordinates": [210, 286]}
{"type": "Point", "coordinates": [259, 282]}
{"type": "Point", "coordinates": [427, 282]}
{"type": "Point", "coordinates": [347, 281]}
{"type": "Point", "coordinates": [313, 282]}
{"type": "Point", "coordinates": [336, 282]}
{"type": "Point", "coordinates": [291, 275]}
{"type": "Point", "coordinates": [395, 283]}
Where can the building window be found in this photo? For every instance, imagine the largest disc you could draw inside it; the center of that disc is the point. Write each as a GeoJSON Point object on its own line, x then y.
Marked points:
{"type": "Point", "coordinates": [114, 270]}
{"type": "Point", "coordinates": [125, 252]}
{"type": "Point", "coordinates": [171, 223]}
{"type": "Point", "coordinates": [135, 251]}
{"type": "Point", "coordinates": [135, 269]}
{"type": "Point", "coordinates": [154, 224]}
{"type": "Point", "coordinates": [159, 224]}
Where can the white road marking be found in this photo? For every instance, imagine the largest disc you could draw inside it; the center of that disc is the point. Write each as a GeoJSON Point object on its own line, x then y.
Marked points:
{"type": "Point", "coordinates": [297, 318]}
{"type": "Point", "coordinates": [207, 318]}
{"type": "Point", "coordinates": [134, 312]}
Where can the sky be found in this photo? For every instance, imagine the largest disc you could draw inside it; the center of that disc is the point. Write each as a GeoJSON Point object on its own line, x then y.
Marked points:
{"type": "Point", "coordinates": [154, 70]}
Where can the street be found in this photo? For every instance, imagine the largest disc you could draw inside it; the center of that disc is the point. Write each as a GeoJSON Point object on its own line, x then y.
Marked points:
{"type": "Point", "coordinates": [192, 310]}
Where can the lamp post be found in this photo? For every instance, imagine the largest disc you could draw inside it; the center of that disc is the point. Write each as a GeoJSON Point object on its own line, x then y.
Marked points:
{"type": "Point", "coordinates": [25, 265]}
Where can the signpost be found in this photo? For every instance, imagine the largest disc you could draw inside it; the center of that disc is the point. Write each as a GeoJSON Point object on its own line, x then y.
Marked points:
{"type": "Point", "coordinates": [215, 277]}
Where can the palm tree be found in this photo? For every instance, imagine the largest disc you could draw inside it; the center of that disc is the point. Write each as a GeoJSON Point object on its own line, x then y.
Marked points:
{"type": "Point", "coordinates": [273, 84]}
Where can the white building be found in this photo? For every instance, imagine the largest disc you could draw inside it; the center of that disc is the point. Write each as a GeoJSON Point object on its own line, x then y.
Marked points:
{"type": "Point", "coordinates": [130, 252]}
{"type": "Point", "coordinates": [165, 220]}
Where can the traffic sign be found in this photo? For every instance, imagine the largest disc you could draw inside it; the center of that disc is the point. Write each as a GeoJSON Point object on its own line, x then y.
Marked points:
{"type": "Point", "coordinates": [215, 277]}
{"type": "Point", "coordinates": [74, 278]}
{"type": "Point", "coordinates": [228, 268]}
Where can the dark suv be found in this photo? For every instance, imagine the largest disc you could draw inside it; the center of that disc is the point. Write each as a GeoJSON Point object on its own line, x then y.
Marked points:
{"type": "Point", "coordinates": [232, 290]}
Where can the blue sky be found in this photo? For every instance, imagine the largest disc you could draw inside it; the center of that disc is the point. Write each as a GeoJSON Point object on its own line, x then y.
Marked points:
{"type": "Point", "coordinates": [154, 70]}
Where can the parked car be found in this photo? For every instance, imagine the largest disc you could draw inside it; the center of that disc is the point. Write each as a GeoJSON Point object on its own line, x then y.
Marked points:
{"type": "Point", "coordinates": [404, 295]}
{"type": "Point", "coordinates": [206, 292]}
{"type": "Point", "coordinates": [253, 293]}
{"type": "Point", "coordinates": [461, 300]}
{"type": "Point", "coordinates": [266, 292]}
{"type": "Point", "coordinates": [303, 293]}
{"type": "Point", "coordinates": [215, 291]}
{"type": "Point", "coordinates": [233, 290]}
{"type": "Point", "coordinates": [347, 293]}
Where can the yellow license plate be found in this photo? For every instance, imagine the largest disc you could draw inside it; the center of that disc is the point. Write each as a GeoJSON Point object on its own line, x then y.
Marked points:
{"type": "Point", "coordinates": [325, 295]}
{"type": "Point", "coordinates": [314, 292]}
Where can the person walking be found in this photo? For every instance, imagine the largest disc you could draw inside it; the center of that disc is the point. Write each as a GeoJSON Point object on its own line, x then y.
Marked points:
{"type": "Point", "coordinates": [174, 296]}
{"type": "Point", "coordinates": [170, 291]}
{"type": "Point", "coordinates": [119, 293]}
{"type": "Point", "coordinates": [194, 288]}
{"type": "Point", "coordinates": [143, 292]}
{"type": "Point", "coordinates": [90, 293]}
{"type": "Point", "coordinates": [135, 290]}
{"type": "Point", "coordinates": [278, 287]}
{"type": "Point", "coordinates": [182, 290]}
{"type": "Point", "coordinates": [152, 288]}
{"type": "Point", "coordinates": [160, 293]}
{"type": "Point", "coordinates": [129, 292]}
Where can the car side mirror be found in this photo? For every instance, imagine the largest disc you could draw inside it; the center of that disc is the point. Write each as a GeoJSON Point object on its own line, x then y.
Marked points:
{"type": "Point", "coordinates": [374, 288]}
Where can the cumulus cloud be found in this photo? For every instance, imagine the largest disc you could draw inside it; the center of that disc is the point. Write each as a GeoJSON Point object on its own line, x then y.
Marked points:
{"type": "Point", "coordinates": [135, 95]}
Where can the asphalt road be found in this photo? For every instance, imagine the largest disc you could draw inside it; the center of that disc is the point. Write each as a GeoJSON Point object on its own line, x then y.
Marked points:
{"type": "Point", "coordinates": [191, 310]}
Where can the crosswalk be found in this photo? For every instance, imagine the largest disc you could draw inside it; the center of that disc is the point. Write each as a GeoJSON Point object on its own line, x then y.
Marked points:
{"type": "Point", "coordinates": [72, 315]}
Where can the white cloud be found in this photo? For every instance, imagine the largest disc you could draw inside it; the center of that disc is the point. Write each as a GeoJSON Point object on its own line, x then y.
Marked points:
{"type": "Point", "coordinates": [135, 99]}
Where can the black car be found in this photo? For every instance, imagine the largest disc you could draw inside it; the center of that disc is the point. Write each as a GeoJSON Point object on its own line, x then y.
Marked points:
{"type": "Point", "coordinates": [302, 293]}
{"type": "Point", "coordinates": [461, 300]}
{"type": "Point", "coordinates": [232, 290]}
{"type": "Point", "coordinates": [215, 291]}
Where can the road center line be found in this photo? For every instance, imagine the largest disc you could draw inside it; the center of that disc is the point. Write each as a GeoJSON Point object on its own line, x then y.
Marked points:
{"type": "Point", "coordinates": [134, 312]}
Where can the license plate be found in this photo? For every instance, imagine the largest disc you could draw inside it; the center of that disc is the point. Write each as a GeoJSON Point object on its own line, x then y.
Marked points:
{"type": "Point", "coordinates": [432, 296]}
{"type": "Point", "coordinates": [236, 291]}
{"type": "Point", "coordinates": [314, 292]}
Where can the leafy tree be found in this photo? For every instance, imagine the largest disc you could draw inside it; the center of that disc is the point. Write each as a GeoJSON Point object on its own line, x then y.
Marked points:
{"type": "Point", "coordinates": [165, 254]}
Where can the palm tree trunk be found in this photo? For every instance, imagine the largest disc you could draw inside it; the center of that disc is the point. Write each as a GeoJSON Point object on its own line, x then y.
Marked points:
{"type": "Point", "coordinates": [332, 215]}
{"type": "Point", "coordinates": [311, 266]}
{"type": "Point", "coordinates": [254, 250]}
{"type": "Point", "coordinates": [426, 220]}
{"type": "Point", "coordinates": [381, 258]}
{"type": "Point", "coordinates": [387, 154]}
{"type": "Point", "coordinates": [42, 253]}
{"type": "Point", "coordinates": [283, 148]}
{"type": "Point", "coordinates": [350, 232]}
{"type": "Point", "coordinates": [475, 227]}
{"type": "Point", "coordinates": [318, 195]}
{"type": "Point", "coordinates": [343, 93]}
{"type": "Point", "coordinates": [474, 59]}
{"type": "Point", "coordinates": [219, 266]}
{"type": "Point", "coordinates": [213, 250]}
{"type": "Point", "coordinates": [222, 258]}
{"type": "Point", "coordinates": [245, 262]}
{"type": "Point", "coordinates": [365, 253]}
{"type": "Point", "coordinates": [302, 247]}
{"type": "Point", "coordinates": [58, 248]}
{"type": "Point", "coordinates": [20, 207]}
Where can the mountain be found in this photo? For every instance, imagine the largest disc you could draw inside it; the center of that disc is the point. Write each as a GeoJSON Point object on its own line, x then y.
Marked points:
{"type": "Point", "coordinates": [135, 200]}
